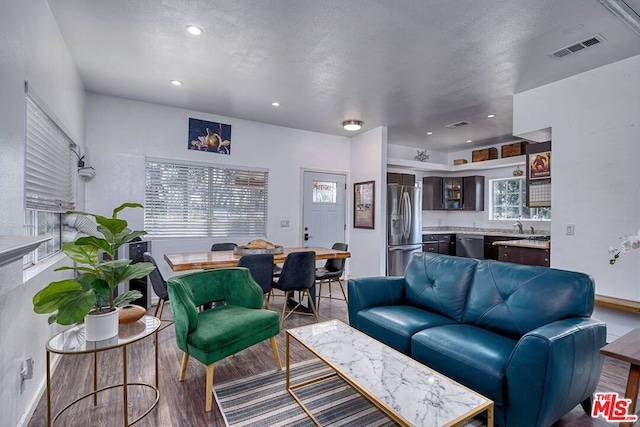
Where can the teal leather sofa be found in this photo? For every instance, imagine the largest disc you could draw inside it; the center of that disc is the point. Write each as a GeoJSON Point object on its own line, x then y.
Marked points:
{"type": "Point", "coordinates": [519, 335]}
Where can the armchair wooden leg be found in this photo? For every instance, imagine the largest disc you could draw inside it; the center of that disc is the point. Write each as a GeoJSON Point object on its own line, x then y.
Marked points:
{"type": "Point", "coordinates": [183, 368]}
{"type": "Point", "coordinates": [311, 304]}
{"type": "Point", "coordinates": [276, 355]}
{"type": "Point", "coordinates": [266, 301]}
{"type": "Point", "coordinates": [320, 293]}
{"type": "Point", "coordinates": [209, 388]}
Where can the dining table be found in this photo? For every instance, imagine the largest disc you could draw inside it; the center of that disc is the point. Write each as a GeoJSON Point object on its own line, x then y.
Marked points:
{"type": "Point", "coordinates": [220, 259]}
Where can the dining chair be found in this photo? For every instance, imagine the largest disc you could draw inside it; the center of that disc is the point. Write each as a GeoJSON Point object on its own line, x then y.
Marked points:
{"type": "Point", "coordinates": [212, 335]}
{"type": "Point", "coordinates": [261, 268]}
{"type": "Point", "coordinates": [159, 286]}
{"type": "Point", "coordinates": [332, 271]}
{"type": "Point", "coordinates": [298, 274]}
{"type": "Point", "coordinates": [229, 246]}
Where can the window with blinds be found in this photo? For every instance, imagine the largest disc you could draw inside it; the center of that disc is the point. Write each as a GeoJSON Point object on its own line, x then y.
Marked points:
{"type": "Point", "coordinates": [49, 165]}
{"type": "Point", "coordinates": [204, 201]}
{"type": "Point", "coordinates": [49, 186]}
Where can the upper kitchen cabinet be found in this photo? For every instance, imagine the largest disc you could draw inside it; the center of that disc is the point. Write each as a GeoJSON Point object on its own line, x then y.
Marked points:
{"type": "Point", "coordinates": [432, 193]}
{"type": "Point", "coordinates": [401, 178]}
{"type": "Point", "coordinates": [473, 196]}
{"type": "Point", "coordinates": [453, 193]}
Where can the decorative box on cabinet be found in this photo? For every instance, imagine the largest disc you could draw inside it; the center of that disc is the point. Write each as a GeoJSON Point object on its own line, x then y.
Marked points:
{"type": "Point", "coordinates": [484, 154]}
{"type": "Point", "coordinates": [515, 149]}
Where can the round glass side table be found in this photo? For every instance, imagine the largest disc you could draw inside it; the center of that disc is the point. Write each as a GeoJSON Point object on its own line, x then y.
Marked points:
{"type": "Point", "coordinates": [72, 341]}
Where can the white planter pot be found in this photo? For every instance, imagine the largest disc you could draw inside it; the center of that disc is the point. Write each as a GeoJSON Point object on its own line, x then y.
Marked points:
{"type": "Point", "coordinates": [99, 327]}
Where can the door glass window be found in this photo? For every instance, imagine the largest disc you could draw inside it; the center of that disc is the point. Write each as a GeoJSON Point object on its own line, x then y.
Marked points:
{"type": "Point", "coordinates": [324, 192]}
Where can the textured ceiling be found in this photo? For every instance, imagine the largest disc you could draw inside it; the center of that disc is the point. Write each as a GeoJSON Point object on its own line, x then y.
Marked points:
{"type": "Point", "coordinates": [412, 65]}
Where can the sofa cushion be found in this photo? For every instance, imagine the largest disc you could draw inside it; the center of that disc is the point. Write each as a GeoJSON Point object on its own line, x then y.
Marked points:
{"type": "Point", "coordinates": [514, 299]}
{"type": "Point", "coordinates": [467, 354]}
{"type": "Point", "coordinates": [439, 283]}
{"type": "Point", "coordinates": [394, 325]}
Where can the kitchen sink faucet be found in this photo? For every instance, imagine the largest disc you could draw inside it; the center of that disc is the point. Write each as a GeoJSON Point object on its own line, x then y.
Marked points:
{"type": "Point", "coordinates": [519, 224]}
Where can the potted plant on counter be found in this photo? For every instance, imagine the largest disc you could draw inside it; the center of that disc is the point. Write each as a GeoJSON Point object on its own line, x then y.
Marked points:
{"type": "Point", "coordinates": [90, 295]}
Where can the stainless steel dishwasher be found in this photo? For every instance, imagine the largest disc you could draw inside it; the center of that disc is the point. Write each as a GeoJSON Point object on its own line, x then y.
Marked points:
{"type": "Point", "coordinates": [470, 246]}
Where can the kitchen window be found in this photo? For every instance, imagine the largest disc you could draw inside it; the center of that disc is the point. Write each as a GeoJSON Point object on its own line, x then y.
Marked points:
{"type": "Point", "coordinates": [49, 185]}
{"type": "Point", "coordinates": [508, 197]}
{"type": "Point", "coordinates": [204, 201]}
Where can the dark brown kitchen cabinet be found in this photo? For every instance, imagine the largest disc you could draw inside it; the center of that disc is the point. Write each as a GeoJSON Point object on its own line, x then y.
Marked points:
{"type": "Point", "coordinates": [432, 193]}
{"type": "Point", "coordinates": [491, 251]}
{"type": "Point", "coordinates": [401, 179]}
{"type": "Point", "coordinates": [527, 256]}
{"type": "Point", "coordinates": [453, 193]}
{"type": "Point", "coordinates": [439, 243]}
{"type": "Point", "coordinates": [473, 193]}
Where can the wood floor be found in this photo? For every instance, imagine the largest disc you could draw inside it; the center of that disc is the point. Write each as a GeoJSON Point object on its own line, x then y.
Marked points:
{"type": "Point", "coordinates": [182, 404]}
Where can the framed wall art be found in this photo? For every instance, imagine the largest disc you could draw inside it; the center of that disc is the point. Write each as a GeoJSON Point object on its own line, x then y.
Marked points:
{"type": "Point", "coordinates": [364, 204]}
{"type": "Point", "coordinates": [209, 136]}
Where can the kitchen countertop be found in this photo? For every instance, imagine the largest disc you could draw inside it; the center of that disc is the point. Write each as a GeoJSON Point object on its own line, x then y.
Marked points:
{"type": "Point", "coordinates": [481, 231]}
{"type": "Point", "coordinates": [525, 243]}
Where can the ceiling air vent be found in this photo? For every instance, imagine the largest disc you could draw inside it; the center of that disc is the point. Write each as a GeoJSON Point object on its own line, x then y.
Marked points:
{"type": "Point", "coordinates": [456, 125]}
{"type": "Point", "coordinates": [577, 47]}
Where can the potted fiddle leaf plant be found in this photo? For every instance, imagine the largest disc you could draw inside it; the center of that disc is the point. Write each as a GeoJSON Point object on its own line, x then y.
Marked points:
{"type": "Point", "coordinates": [90, 295]}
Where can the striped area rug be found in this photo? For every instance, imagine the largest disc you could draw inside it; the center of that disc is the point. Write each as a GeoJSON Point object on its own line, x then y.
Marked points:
{"type": "Point", "coordinates": [262, 401]}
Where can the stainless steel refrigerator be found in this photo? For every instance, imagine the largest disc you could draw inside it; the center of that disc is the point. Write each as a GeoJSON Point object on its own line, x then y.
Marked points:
{"type": "Point", "coordinates": [404, 226]}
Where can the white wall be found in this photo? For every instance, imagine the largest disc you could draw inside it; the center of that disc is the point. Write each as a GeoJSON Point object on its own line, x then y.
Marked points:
{"type": "Point", "coordinates": [31, 49]}
{"type": "Point", "coordinates": [368, 163]}
{"type": "Point", "coordinates": [595, 121]}
{"type": "Point", "coordinates": [121, 132]}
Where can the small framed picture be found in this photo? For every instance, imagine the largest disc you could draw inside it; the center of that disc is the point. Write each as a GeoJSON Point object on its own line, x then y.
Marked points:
{"type": "Point", "coordinates": [364, 204]}
{"type": "Point", "coordinates": [209, 136]}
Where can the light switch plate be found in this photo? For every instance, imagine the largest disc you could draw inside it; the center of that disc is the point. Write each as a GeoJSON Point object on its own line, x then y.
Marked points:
{"type": "Point", "coordinates": [284, 223]}
{"type": "Point", "coordinates": [568, 229]}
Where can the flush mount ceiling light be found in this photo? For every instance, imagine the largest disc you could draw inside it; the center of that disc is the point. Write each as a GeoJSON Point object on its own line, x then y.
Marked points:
{"type": "Point", "coordinates": [176, 82]}
{"type": "Point", "coordinates": [490, 116]}
{"type": "Point", "coordinates": [194, 30]}
{"type": "Point", "coordinates": [469, 140]}
{"type": "Point", "coordinates": [429, 133]}
{"type": "Point", "coordinates": [352, 125]}
{"type": "Point", "coordinates": [275, 104]}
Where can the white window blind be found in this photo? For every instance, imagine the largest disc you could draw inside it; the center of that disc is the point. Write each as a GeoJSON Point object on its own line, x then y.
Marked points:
{"type": "Point", "coordinates": [49, 165]}
{"type": "Point", "coordinates": [204, 201]}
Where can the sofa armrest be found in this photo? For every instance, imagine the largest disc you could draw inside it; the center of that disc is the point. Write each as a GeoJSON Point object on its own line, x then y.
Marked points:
{"type": "Point", "coordinates": [554, 368]}
{"type": "Point", "coordinates": [373, 292]}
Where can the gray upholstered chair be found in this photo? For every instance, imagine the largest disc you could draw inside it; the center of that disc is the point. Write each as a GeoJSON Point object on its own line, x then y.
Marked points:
{"type": "Point", "coordinates": [261, 268]}
{"type": "Point", "coordinates": [332, 271]}
{"type": "Point", "coordinates": [298, 274]}
{"type": "Point", "coordinates": [229, 246]}
{"type": "Point", "coordinates": [159, 286]}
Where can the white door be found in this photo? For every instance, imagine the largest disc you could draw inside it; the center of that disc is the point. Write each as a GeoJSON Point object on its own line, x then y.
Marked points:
{"type": "Point", "coordinates": [324, 209]}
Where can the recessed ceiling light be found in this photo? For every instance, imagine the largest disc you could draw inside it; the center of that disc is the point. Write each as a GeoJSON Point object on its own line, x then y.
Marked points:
{"type": "Point", "coordinates": [469, 140]}
{"type": "Point", "coordinates": [176, 82]}
{"type": "Point", "coordinates": [193, 30]}
{"type": "Point", "coordinates": [429, 133]}
{"type": "Point", "coordinates": [352, 125]}
{"type": "Point", "coordinates": [275, 104]}
{"type": "Point", "coordinates": [491, 116]}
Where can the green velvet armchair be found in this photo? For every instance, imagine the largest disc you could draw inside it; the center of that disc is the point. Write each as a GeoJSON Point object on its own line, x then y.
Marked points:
{"type": "Point", "coordinates": [214, 334]}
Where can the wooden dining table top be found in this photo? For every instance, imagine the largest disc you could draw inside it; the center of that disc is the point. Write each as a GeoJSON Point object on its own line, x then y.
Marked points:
{"type": "Point", "coordinates": [220, 259]}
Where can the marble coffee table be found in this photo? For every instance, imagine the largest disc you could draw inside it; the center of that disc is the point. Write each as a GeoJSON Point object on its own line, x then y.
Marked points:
{"type": "Point", "coordinates": [407, 391]}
